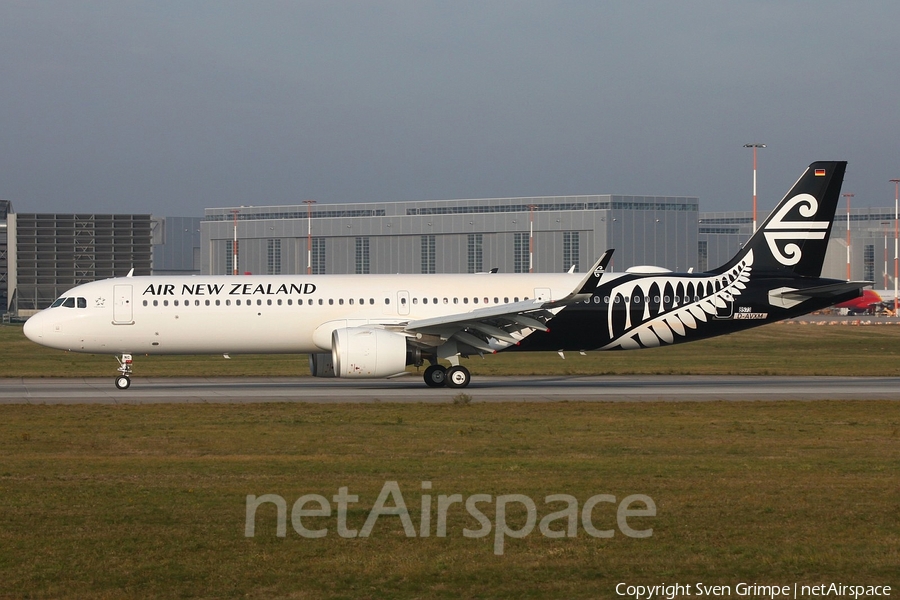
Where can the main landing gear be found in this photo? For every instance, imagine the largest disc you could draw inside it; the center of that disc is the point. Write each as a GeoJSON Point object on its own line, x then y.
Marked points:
{"type": "Point", "coordinates": [123, 381]}
{"type": "Point", "coordinates": [455, 377]}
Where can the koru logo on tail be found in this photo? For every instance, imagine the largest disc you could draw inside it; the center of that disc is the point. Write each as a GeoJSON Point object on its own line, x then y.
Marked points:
{"type": "Point", "coordinates": [779, 230]}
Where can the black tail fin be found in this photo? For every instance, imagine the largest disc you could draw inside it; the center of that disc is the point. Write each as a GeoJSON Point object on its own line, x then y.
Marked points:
{"type": "Point", "coordinates": [793, 240]}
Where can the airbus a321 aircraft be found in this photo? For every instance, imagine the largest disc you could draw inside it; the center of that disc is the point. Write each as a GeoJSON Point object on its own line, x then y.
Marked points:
{"type": "Point", "coordinates": [361, 326]}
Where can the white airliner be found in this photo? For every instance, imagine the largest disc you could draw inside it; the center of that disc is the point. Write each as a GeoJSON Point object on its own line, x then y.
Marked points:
{"type": "Point", "coordinates": [363, 326]}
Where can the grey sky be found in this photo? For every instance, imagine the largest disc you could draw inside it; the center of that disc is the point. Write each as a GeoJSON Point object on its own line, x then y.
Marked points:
{"type": "Point", "coordinates": [171, 106]}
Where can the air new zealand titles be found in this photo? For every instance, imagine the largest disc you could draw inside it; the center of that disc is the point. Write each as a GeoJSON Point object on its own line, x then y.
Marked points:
{"type": "Point", "coordinates": [231, 289]}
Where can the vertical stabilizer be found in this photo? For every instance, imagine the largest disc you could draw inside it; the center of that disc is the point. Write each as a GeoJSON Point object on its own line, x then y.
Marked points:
{"type": "Point", "coordinates": [793, 239]}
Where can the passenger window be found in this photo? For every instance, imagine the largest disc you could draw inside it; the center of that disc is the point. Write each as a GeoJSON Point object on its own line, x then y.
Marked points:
{"type": "Point", "coordinates": [165, 302]}
{"type": "Point", "coordinates": [496, 300]}
{"type": "Point", "coordinates": [228, 302]}
{"type": "Point", "coordinates": [207, 302]}
{"type": "Point", "coordinates": [145, 303]}
{"type": "Point", "coordinates": [258, 302]}
{"type": "Point", "coordinates": [515, 298]}
{"type": "Point", "coordinates": [156, 303]}
{"type": "Point", "coordinates": [279, 301]}
{"type": "Point", "coordinates": [175, 302]}
{"type": "Point", "coordinates": [424, 300]}
{"type": "Point", "coordinates": [351, 301]}
{"type": "Point", "coordinates": [402, 300]}
{"type": "Point", "coordinates": [371, 300]}
{"type": "Point", "coordinates": [320, 302]}
{"type": "Point", "coordinates": [341, 301]}
{"type": "Point", "coordinates": [415, 300]}
{"type": "Point", "coordinates": [331, 301]}
{"type": "Point", "coordinates": [237, 302]}
{"type": "Point", "coordinates": [456, 301]}
{"type": "Point", "coordinates": [197, 303]}
{"type": "Point", "coordinates": [387, 300]}
{"type": "Point", "coordinates": [268, 302]}
{"type": "Point", "coordinates": [362, 300]}
{"type": "Point", "coordinates": [506, 300]}
{"type": "Point", "coordinates": [218, 302]}
{"type": "Point", "coordinates": [434, 300]}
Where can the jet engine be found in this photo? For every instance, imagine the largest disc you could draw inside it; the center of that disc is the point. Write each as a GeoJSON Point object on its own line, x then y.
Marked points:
{"type": "Point", "coordinates": [321, 365]}
{"type": "Point", "coordinates": [368, 352]}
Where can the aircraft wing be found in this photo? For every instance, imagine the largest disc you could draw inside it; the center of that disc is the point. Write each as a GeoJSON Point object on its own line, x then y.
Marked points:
{"type": "Point", "coordinates": [494, 328]}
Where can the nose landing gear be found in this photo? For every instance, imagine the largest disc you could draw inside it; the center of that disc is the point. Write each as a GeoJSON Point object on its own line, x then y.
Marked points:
{"type": "Point", "coordinates": [123, 381]}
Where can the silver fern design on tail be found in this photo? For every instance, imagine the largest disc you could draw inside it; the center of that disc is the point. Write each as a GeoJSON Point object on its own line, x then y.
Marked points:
{"type": "Point", "coordinates": [676, 305]}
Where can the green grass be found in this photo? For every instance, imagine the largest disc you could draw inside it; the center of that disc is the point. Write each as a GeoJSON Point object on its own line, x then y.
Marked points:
{"type": "Point", "coordinates": [149, 501]}
{"type": "Point", "coordinates": [106, 502]}
{"type": "Point", "coordinates": [779, 349]}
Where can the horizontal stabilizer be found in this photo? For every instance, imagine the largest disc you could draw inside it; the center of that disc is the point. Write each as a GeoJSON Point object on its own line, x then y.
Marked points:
{"type": "Point", "coordinates": [788, 297]}
{"type": "Point", "coordinates": [828, 291]}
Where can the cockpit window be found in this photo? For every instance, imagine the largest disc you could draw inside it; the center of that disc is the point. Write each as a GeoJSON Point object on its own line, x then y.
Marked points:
{"type": "Point", "coordinates": [70, 302]}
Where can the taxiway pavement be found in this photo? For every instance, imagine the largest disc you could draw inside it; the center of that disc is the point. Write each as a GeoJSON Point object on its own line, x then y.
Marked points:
{"type": "Point", "coordinates": [482, 389]}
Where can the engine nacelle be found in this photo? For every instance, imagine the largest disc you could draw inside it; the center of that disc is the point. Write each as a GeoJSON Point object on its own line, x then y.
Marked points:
{"type": "Point", "coordinates": [364, 352]}
{"type": "Point", "coordinates": [321, 365]}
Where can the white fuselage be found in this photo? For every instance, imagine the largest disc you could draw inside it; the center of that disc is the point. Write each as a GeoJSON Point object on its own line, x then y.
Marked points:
{"type": "Point", "coordinates": [265, 314]}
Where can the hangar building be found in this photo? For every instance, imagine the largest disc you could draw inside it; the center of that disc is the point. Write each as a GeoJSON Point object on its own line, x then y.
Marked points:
{"type": "Point", "coordinates": [514, 235]}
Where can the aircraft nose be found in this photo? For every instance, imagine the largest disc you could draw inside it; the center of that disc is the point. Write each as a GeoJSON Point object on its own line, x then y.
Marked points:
{"type": "Point", "coordinates": [34, 329]}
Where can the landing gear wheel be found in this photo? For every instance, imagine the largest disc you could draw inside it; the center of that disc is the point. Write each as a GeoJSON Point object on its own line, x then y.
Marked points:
{"type": "Point", "coordinates": [123, 381]}
{"type": "Point", "coordinates": [458, 377]}
{"type": "Point", "coordinates": [436, 376]}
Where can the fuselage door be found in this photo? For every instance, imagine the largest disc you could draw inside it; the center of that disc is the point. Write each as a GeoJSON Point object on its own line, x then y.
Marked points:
{"type": "Point", "coordinates": [123, 313]}
{"type": "Point", "coordinates": [725, 307]}
{"type": "Point", "coordinates": [403, 302]}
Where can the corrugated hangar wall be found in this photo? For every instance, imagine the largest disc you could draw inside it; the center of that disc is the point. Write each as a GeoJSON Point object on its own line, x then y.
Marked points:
{"type": "Point", "coordinates": [454, 236]}
{"type": "Point", "coordinates": [56, 252]}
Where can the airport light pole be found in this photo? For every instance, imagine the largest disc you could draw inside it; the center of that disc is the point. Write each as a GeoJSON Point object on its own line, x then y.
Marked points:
{"type": "Point", "coordinates": [531, 238]}
{"type": "Point", "coordinates": [309, 204]}
{"type": "Point", "coordinates": [848, 197]}
{"type": "Point", "coordinates": [754, 146]}
{"type": "Point", "coordinates": [234, 245]}
{"type": "Point", "coordinates": [896, 183]}
{"type": "Point", "coordinates": [886, 224]}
